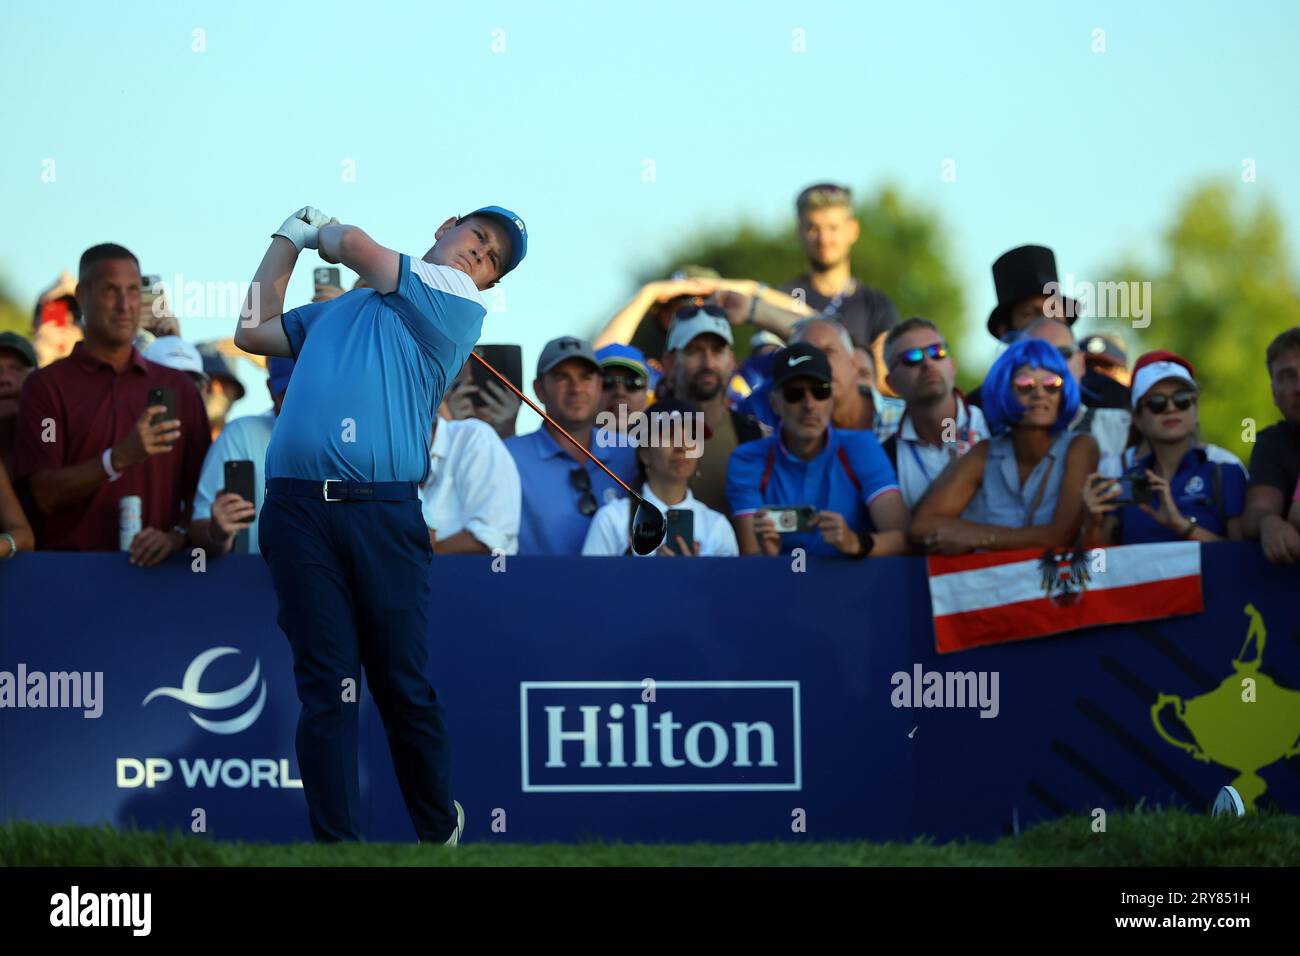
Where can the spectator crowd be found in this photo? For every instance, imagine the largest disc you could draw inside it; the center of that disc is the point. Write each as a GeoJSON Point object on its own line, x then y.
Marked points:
{"type": "Point", "coordinates": [843, 434]}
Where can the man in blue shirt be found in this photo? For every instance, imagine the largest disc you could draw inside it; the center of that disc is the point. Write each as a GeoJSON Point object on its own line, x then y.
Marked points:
{"type": "Point", "coordinates": [222, 521]}
{"type": "Point", "coordinates": [562, 489]}
{"type": "Point", "coordinates": [341, 528]}
{"type": "Point", "coordinates": [843, 475]}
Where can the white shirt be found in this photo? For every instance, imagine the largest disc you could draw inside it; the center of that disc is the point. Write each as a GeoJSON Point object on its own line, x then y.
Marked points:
{"type": "Point", "coordinates": [608, 534]}
{"type": "Point", "coordinates": [473, 485]}
{"type": "Point", "coordinates": [919, 462]}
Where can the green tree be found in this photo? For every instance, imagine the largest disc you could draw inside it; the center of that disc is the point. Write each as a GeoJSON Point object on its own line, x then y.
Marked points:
{"type": "Point", "coordinates": [901, 251]}
{"type": "Point", "coordinates": [1225, 290]}
{"type": "Point", "coordinates": [12, 317]}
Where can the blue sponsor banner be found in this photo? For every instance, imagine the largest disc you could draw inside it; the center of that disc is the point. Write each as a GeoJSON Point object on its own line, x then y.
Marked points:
{"type": "Point", "coordinates": [710, 700]}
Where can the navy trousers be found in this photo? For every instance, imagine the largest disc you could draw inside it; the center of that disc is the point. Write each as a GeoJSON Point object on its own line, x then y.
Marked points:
{"type": "Point", "coordinates": [352, 579]}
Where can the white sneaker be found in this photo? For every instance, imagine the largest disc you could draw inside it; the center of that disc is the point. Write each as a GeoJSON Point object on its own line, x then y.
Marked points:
{"type": "Point", "coordinates": [454, 839]}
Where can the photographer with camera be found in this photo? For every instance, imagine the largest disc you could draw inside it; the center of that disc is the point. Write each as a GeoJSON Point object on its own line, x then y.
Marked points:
{"type": "Point", "coordinates": [1177, 491]}
{"type": "Point", "coordinates": [812, 486]}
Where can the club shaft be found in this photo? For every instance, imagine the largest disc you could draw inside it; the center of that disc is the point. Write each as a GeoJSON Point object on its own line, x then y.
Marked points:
{"type": "Point", "coordinates": [576, 444]}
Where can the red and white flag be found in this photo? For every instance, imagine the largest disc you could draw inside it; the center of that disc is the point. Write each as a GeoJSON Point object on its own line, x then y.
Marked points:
{"type": "Point", "coordinates": [999, 596]}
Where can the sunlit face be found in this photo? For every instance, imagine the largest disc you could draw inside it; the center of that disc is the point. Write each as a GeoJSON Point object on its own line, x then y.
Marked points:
{"type": "Point", "coordinates": [828, 234]}
{"type": "Point", "coordinates": [571, 392]}
{"type": "Point", "coordinates": [704, 367]}
{"type": "Point", "coordinates": [623, 387]}
{"type": "Point", "coordinates": [1058, 334]}
{"type": "Point", "coordinates": [1039, 391]}
{"type": "Point", "coordinates": [930, 378]}
{"type": "Point", "coordinates": [1170, 424]}
{"type": "Point", "coordinates": [1285, 376]}
{"type": "Point", "coordinates": [109, 297]}
{"type": "Point", "coordinates": [478, 246]}
{"type": "Point", "coordinates": [676, 461]}
{"type": "Point", "coordinates": [844, 369]}
{"type": "Point", "coordinates": [804, 416]}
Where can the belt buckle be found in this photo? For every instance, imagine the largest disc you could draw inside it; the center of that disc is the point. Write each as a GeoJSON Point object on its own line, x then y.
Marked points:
{"type": "Point", "coordinates": [325, 489]}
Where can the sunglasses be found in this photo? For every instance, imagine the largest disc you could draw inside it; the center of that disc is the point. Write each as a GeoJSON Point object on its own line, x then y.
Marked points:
{"type": "Point", "coordinates": [1026, 384]}
{"type": "Point", "coordinates": [1182, 400]}
{"type": "Point", "coordinates": [795, 393]}
{"type": "Point", "coordinates": [631, 382]}
{"type": "Point", "coordinates": [914, 357]}
{"type": "Point", "coordinates": [581, 482]}
{"type": "Point", "coordinates": [691, 311]}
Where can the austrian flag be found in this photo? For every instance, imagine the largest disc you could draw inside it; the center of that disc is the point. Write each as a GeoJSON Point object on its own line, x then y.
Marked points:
{"type": "Point", "coordinates": [999, 596]}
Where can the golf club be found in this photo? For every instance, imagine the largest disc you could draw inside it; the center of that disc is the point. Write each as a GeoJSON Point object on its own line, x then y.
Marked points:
{"type": "Point", "coordinates": [648, 526]}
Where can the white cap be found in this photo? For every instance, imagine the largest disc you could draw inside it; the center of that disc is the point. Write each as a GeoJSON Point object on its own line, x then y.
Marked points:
{"type": "Point", "coordinates": [1149, 375]}
{"type": "Point", "coordinates": [175, 352]}
{"type": "Point", "coordinates": [682, 333]}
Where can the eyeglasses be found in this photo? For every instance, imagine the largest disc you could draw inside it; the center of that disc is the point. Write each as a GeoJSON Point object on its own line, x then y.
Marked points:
{"type": "Point", "coordinates": [687, 312]}
{"type": "Point", "coordinates": [1026, 384]}
{"type": "Point", "coordinates": [795, 393]}
{"type": "Point", "coordinates": [1182, 400]}
{"type": "Point", "coordinates": [581, 482]}
{"type": "Point", "coordinates": [630, 382]}
{"type": "Point", "coordinates": [914, 357]}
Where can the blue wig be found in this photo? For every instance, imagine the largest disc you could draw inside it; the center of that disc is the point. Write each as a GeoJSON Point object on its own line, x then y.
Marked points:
{"type": "Point", "coordinates": [1002, 408]}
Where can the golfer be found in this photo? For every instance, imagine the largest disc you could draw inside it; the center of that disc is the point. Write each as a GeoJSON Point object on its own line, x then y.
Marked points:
{"type": "Point", "coordinates": [341, 527]}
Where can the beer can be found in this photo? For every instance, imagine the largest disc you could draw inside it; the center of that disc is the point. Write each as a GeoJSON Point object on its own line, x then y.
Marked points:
{"type": "Point", "coordinates": [128, 520]}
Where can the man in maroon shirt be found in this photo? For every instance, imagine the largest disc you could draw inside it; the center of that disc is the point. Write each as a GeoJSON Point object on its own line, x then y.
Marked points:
{"type": "Point", "coordinates": [84, 437]}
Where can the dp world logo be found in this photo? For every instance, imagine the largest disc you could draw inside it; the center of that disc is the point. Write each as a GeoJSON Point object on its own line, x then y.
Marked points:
{"type": "Point", "coordinates": [190, 695]}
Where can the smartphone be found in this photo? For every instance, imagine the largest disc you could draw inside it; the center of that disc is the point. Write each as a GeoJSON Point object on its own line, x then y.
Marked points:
{"type": "Point", "coordinates": [148, 282]}
{"type": "Point", "coordinates": [1135, 490]}
{"type": "Point", "coordinates": [681, 521]}
{"type": "Point", "coordinates": [241, 477]}
{"type": "Point", "coordinates": [791, 519]}
{"type": "Point", "coordinates": [506, 359]}
{"type": "Point", "coordinates": [326, 275]}
{"type": "Point", "coordinates": [163, 396]}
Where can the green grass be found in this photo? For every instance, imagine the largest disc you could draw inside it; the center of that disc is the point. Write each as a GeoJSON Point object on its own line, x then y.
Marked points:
{"type": "Point", "coordinates": [1141, 838]}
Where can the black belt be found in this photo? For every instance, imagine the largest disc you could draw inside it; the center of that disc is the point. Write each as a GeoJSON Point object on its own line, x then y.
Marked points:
{"type": "Point", "coordinates": [336, 490]}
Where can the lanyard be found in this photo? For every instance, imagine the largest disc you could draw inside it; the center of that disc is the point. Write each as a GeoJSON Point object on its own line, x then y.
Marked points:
{"type": "Point", "coordinates": [833, 306]}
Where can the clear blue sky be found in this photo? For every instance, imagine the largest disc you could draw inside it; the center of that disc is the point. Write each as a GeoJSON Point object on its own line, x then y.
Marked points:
{"type": "Point", "coordinates": [192, 159]}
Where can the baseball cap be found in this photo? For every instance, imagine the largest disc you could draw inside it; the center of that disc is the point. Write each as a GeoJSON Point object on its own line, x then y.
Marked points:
{"type": "Point", "coordinates": [800, 360]}
{"type": "Point", "coordinates": [174, 352]}
{"type": "Point", "coordinates": [515, 229]}
{"type": "Point", "coordinates": [762, 339]}
{"type": "Point", "coordinates": [1155, 367]}
{"type": "Point", "coordinates": [16, 343]}
{"type": "Point", "coordinates": [561, 350]}
{"type": "Point", "coordinates": [695, 320]}
{"type": "Point", "coordinates": [628, 356]}
{"type": "Point", "coordinates": [279, 369]}
{"type": "Point", "coordinates": [1104, 348]}
{"type": "Point", "coordinates": [216, 366]}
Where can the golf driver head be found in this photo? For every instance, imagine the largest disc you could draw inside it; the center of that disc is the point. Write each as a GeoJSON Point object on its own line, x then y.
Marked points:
{"type": "Point", "coordinates": [648, 527]}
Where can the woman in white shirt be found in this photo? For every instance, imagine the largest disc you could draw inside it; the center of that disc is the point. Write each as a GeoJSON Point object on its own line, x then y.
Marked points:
{"type": "Point", "coordinates": [666, 468]}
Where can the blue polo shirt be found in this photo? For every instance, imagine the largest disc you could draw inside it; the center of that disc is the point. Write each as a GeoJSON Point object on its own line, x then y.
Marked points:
{"type": "Point", "coordinates": [370, 372]}
{"type": "Point", "coordinates": [824, 482]}
{"type": "Point", "coordinates": [1193, 491]}
{"type": "Point", "coordinates": [550, 522]}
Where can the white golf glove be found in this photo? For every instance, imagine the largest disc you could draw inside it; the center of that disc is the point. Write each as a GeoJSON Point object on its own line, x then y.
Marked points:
{"type": "Point", "coordinates": [301, 228]}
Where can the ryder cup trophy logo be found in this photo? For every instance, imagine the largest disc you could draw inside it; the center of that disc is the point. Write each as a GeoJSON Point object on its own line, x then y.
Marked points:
{"type": "Point", "coordinates": [190, 695]}
{"type": "Point", "coordinates": [1245, 723]}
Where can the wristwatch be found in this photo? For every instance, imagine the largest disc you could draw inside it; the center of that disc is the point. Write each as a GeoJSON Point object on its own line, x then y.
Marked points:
{"type": "Point", "coordinates": [1192, 525]}
{"type": "Point", "coordinates": [866, 542]}
{"type": "Point", "coordinates": [753, 302]}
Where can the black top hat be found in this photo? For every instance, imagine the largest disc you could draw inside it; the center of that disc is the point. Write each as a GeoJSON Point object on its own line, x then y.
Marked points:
{"type": "Point", "coordinates": [1021, 273]}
